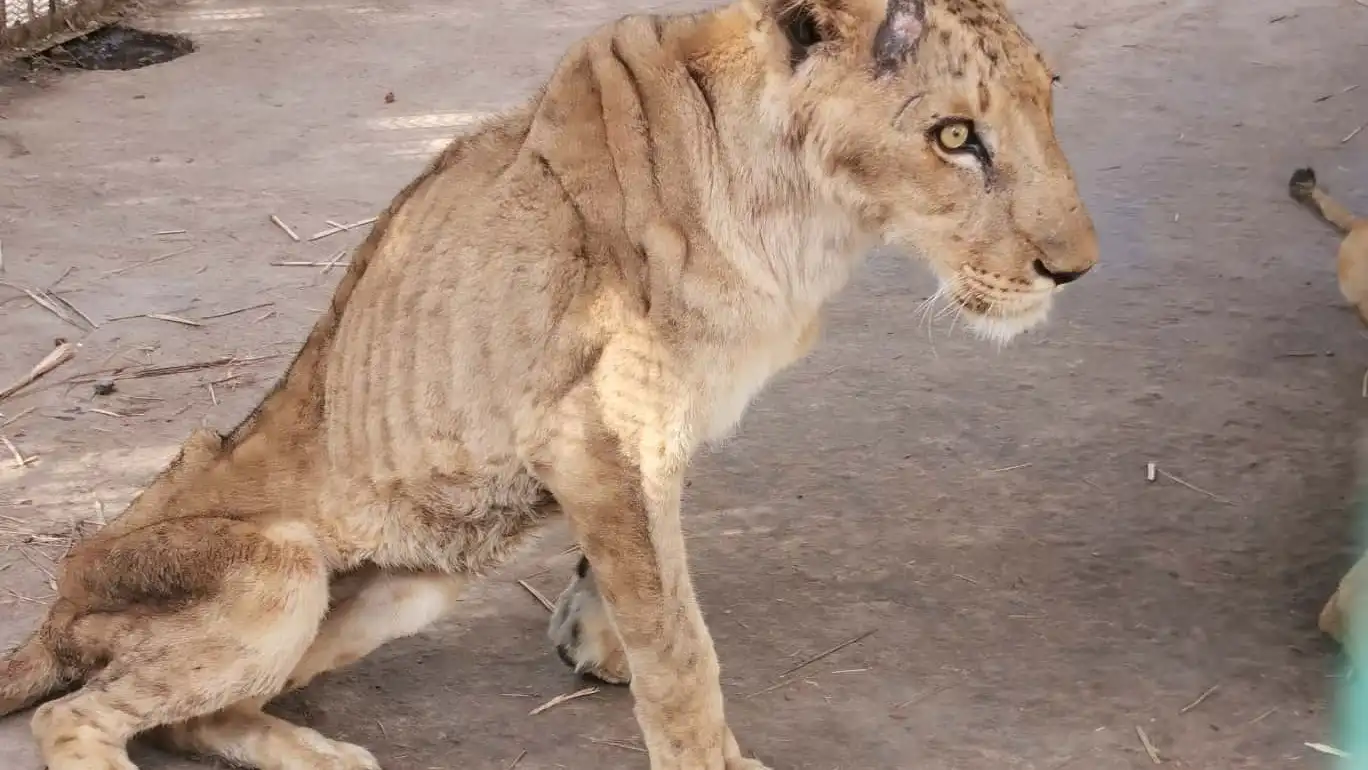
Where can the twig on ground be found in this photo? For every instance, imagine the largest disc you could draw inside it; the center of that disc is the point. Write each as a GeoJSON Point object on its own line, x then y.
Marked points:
{"type": "Point", "coordinates": [341, 228]}
{"type": "Point", "coordinates": [169, 232]}
{"type": "Point", "coordinates": [227, 313]}
{"type": "Point", "coordinates": [106, 413]}
{"type": "Point", "coordinates": [56, 305]}
{"type": "Point", "coordinates": [1149, 747]}
{"type": "Point", "coordinates": [142, 372]}
{"type": "Point", "coordinates": [17, 417]}
{"type": "Point", "coordinates": [275, 220]}
{"type": "Point", "coordinates": [1194, 487]}
{"type": "Point", "coordinates": [1324, 749]}
{"type": "Point", "coordinates": [147, 262]}
{"type": "Point", "coordinates": [1199, 700]}
{"type": "Point", "coordinates": [1010, 468]}
{"type": "Point", "coordinates": [298, 263]}
{"type": "Point", "coordinates": [59, 355]}
{"type": "Point", "coordinates": [516, 760]}
{"type": "Point", "coordinates": [20, 461]}
{"type": "Point", "coordinates": [1354, 133]}
{"type": "Point", "coordinates": [336, 258]}
{"type": "Point", "coordinates": [559, 699]}
{"type": "Point", "coordinates": [542, 600]}
{"type": "Point", "coordinates": [1344, 90]}
{"type": "Point", "coordinates": [618, 744]}
{"type": "Point", "coordinates": [828, 653]}
{"type": "Point", "coordinates": [175, 319]}
{"type": "Point", "coordinates": [1261, 717]}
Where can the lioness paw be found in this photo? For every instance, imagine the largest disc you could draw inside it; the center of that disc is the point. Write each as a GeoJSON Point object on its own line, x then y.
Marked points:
{"type": "Point", "coordinates": [583, 633]}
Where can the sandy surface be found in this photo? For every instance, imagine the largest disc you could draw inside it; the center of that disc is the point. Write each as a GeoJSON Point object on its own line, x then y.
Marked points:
{"type": "Point", "coordinates": [986, 511]}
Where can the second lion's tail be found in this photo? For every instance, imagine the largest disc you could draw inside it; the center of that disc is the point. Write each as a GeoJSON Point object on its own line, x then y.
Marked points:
{"type": "Point", "coordinates": [29, 674]}
{"type": "Point", "coordinates": [1303, 189]}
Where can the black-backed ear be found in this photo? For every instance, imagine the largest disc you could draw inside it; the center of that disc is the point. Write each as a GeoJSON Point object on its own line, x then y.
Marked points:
{"type": "Point", "coordinates": [899, 34]}
{"type": "Point", "coordinates": [801, 29]}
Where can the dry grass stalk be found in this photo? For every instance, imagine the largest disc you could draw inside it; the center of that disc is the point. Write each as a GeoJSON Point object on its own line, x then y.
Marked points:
{"type": "Point", "coordinates": [619, 744]}
{"type": "Point", "coordinates": [56, 305]}
{"type": "Point", "coordinates": [517, 760]}
{"type": "Point", "coordinates": [336, 258]}
{"type": "Point", "coordinates": [299, 263]}
{"type": "Point", "coordinates": [59, 355]}
{"type": "Point", "coordinates": [152, 261]}
{"type": "Point", "coordinates": [227, 313]}
{"type": "Point", "coordinates": [1194, 487]}
{"type": "Point", "coordinates": [170, 232]}
{"type": "Point", "coordinates": [828, 653]}
{"type": "Point", "coordinates": [20, 461]}
{"type": "Point", "coordinates": [1325, 749]}
{"type": "Point", "coordinates": [559, 699]}
{"type": "Point", "coordinates": [336, 228]}
{"type": "Point", "coordinates": [787, 678]}
{"type": "Point", "coordinates": [213, 397]}
{"type": "Point", "coordinates": [106, 412]}
{"type": "Point", "coordinates": [1149, 747]}
{"type": "Point", "coordinates": [17, 417]}
{"type": "Point", "coordinates": [1354, 133]}
{"type": "Point", "coordinates": [1199, 700]}
{"type": "Point", "coordinates": [275, 220]}
{"type": "Point", "coordinates": [175, 319]}
{"type": "Point", "coordinates": [542, 600]}
{"type": "Point", "coordinates": [142, 372]}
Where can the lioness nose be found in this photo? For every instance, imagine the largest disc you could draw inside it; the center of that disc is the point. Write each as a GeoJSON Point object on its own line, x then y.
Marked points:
{"type": "Point", "coordinates": [1060, 277]}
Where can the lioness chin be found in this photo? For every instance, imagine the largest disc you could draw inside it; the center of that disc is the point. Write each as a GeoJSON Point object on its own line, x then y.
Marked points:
{"type": "Point", "coordinates": [552, 318]}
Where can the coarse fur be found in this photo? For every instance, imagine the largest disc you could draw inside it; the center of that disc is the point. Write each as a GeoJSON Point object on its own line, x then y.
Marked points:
{"type": "Point", "coordinates": [1352, 259]}
{"type": "Point", "coordinates": [552, 318]}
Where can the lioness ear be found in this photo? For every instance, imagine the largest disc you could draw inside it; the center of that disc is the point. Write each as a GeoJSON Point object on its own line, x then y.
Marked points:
{"type": "Point", "coordinates": [899, 34]}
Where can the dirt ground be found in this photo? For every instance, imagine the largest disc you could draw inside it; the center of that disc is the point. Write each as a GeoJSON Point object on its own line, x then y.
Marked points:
{"type": "Point", "coordinates": [985, 513]}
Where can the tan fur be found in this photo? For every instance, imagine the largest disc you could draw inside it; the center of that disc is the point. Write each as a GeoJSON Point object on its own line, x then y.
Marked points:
{"type": "Point", "coordinates": [1352, 259]}
{"type": "Point", "coordinates": [1352, 276]}
{"type": "Point", "coordinates": [553, 317]}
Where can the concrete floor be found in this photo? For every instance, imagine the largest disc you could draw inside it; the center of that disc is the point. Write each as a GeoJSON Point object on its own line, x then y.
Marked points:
{"type": "Point", "coordinates": [1034, 598]}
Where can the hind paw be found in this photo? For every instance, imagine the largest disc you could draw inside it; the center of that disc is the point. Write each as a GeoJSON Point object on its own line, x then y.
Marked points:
{"type": "Point", "coordinates": [583, 633]}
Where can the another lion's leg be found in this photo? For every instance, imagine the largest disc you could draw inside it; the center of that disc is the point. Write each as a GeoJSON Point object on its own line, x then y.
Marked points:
{"type": "Point", "coordinates": [247, 737]}
{"type": "Point", "coordinates": [584, 634]}
{"type": "Point", "coordinates": [627, 522]}
{"type": "Point", "coordinates": [378, 606]}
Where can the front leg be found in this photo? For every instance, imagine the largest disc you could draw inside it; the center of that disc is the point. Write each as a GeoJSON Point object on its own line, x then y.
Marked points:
{"type": "Point", "coordinates": [626, 518]}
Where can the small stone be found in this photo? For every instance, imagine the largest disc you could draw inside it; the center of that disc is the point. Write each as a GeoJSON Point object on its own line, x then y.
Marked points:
{"type": "Point", "coordinates": [105, 387]}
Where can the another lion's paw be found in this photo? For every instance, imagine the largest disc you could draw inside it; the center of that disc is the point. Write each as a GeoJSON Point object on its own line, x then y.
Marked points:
{"type": "Point", "coordinates": [583, 633]}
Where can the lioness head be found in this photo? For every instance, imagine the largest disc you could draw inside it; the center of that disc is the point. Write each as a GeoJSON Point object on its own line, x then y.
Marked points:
{"type": "Point", "coordinates": [933, 121]}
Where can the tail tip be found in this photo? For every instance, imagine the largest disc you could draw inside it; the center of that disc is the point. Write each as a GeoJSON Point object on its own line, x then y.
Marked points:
{"type": "Point", "coordinates": [1301, 184]}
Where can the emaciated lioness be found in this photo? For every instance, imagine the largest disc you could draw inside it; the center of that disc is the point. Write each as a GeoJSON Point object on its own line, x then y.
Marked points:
{"type": "Point", "coordinates": [552, 318]}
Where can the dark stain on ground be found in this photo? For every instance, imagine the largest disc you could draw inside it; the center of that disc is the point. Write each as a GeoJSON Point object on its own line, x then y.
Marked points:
{"type": "Point", "coordinates": [115, 47]}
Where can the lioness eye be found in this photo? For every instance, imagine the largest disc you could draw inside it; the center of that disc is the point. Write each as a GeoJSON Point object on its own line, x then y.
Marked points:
{"type": "Point", "coordinates": [955, 135]}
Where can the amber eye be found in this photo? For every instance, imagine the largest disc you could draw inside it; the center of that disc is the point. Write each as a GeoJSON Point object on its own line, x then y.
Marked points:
{"type": "Point", "coordinates": [954, 136]}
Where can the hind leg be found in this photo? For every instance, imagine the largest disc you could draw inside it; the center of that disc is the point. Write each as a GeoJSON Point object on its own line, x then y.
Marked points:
{"type": "Point", "coordinates": [378, 606]}
{"type": "Point", "coordinates": [234, 637]}
{"type": "Point", "coordinates": [583, 633]}
{"type": "Point", "coordinates": [246, 736]}
{"type": "Point", "coordinates": [373, 606]}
